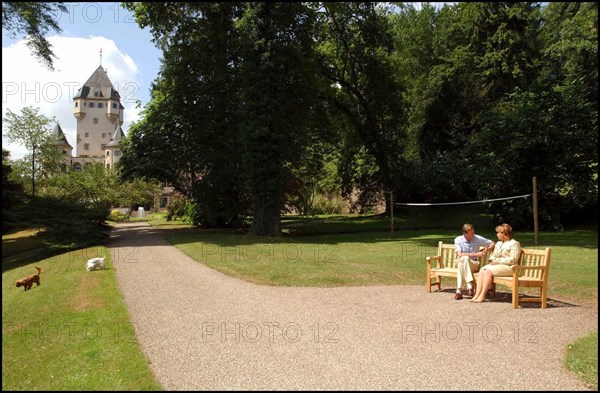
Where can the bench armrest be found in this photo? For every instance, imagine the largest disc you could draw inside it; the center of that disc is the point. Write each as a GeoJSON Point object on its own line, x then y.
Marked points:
{"type": "Point", "coordinates": [437, 259]}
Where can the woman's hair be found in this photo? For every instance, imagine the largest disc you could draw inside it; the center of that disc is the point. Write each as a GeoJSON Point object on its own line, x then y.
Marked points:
{"type": "Point", "coordinates": [506, 229]}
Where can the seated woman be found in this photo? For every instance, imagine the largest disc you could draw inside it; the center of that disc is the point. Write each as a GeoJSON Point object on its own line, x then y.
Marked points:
{"type": "Point", "coordinates": [505, 254]}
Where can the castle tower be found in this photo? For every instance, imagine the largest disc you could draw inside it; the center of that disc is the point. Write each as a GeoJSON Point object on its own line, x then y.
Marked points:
{"type": "Point", "coordinates": [61, 141]}
{"type": "Point", "coordinates": [98, 110]}
{"type": "Point", "coordinates": [113, 149]}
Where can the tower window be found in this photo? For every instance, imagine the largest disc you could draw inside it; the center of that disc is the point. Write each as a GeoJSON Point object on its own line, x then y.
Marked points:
{"type": "Point", "coordinates": [104, 135]}
{"type": "Point", "coordinates": [100, 105]}
{"type": "Point", "coordinates": [114, 106]}
{"type": "Point", "coordinates": [95, 120]}
{"type": "Point", "coordinates": [103, 146]}
{"type": "Point", "coordinates": [87, 134]}
{"type": "Point", "coordinates": [91, 104]}
{"type": "Point", "coordinates": [76, 104]}
{"type": "Point", "coordinates": [86, 146]}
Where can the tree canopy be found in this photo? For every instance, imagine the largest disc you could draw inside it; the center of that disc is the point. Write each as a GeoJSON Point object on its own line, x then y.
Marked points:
{"type": "Point", "coordinates": [256, 102]}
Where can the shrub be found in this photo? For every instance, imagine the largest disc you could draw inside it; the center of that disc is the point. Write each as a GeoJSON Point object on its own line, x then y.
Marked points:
{"type": "Point", "coordinates": [158, 215]}
{"type": "Point", "coordinates": [328, 204]}
{"type": "Point", "coordinates": [67, 225]}
{"type": "Point", "coordinates": [117, 216]}
{"type": "Point", "coordinates": [182, 209]}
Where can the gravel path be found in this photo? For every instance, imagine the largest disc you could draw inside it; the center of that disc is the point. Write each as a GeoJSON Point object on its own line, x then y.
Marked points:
{"type": "Point", "coordinates": [202, 330]}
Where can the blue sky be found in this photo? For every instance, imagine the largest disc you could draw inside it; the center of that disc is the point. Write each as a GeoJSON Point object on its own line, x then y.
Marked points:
{"type": "Point", "coordinates": [128, 54]}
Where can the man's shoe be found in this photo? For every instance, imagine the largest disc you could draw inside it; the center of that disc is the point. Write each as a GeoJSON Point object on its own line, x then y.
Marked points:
{"type": "Point", "coordinates": [470, 292]}
{"type": "Point", "coordinates": [458, 296]}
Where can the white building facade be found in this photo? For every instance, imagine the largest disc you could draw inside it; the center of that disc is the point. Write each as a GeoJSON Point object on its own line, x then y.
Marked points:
{"type": "Point", "coordinates": [99, 113]}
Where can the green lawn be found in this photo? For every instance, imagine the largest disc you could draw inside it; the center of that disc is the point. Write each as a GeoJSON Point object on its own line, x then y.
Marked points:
{"type": "Point", "coordinates": [376, 258]}
{"type": "Point", "coordinates": [73, 332]}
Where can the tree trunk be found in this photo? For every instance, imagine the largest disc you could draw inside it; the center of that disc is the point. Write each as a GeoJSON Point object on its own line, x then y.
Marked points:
{"type": "Point", "coordinates": [267, 220]}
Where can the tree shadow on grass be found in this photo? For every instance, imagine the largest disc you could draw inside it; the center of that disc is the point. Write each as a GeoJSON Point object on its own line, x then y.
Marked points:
{"type": "Point", "coordinates": [28, 257]}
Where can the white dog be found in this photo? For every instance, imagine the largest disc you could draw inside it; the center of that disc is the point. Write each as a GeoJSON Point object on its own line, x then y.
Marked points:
{"type": "Point", "coordinates": [96, 263]}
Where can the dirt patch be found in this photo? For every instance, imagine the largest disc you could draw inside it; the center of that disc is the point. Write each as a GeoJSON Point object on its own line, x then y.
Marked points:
{"type": "Point", "coordinates": [84, 299]}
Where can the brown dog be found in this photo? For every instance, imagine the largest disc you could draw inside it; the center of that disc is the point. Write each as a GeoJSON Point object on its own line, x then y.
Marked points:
{"type": "Point", "coordinates": [28, 281]}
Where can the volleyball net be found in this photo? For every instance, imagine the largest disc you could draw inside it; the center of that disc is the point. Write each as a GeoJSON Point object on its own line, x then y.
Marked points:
{"type": "Point", "coordinates": [463, 203]}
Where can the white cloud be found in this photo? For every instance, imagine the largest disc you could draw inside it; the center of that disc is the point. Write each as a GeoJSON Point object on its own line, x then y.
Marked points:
{"type": "Point", "coordinates": [25, 81]}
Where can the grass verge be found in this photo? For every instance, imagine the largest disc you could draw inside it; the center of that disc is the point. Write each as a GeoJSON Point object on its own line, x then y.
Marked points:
{"type": "Point", "coordinates": [73, 332]}
{"type": "Point", "coordinates": [582, 359]}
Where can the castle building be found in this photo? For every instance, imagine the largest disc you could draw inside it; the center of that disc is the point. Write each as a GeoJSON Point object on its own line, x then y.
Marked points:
{"type": "Point", "coordinates": [99, 114]}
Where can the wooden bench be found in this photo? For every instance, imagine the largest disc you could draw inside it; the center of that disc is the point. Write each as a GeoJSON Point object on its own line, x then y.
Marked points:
{"type": "Point", "coordinates": [445, 266]}
{"type": "Point", "coordinates": [532, 271]}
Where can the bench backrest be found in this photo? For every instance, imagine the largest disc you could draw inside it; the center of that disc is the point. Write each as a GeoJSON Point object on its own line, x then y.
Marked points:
{"type": "Point", "coordinates": [531, 257]}
{"type": "Point", "coordinates": [448, 254]}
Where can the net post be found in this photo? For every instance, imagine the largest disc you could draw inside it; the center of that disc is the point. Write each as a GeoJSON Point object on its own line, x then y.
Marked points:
{"type": "Point", "coordinates": [535, 211]}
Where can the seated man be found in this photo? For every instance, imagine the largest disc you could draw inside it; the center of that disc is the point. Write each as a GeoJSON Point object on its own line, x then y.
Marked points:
{"type": "Point", "coordinates": [467, 249]}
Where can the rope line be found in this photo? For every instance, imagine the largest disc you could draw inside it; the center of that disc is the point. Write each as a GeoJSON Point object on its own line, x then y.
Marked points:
{"type": "Point", "coordinates": [463, 203]}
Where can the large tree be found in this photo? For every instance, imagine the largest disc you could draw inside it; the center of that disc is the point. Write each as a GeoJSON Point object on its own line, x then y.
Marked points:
{"type": "Point", "coordinates": [278, 93]}
{"type": "Point", "coordinates": [189, 135]}
{"type": "Point", "coordinates": [356, 56]}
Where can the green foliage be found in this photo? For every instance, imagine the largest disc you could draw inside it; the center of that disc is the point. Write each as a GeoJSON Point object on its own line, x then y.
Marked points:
{"type": "Point", "coordinates": [96, 186]}
{"type": "Point", "coordinates": [158, 215]}
{"type": "Point", "coordinates": [11, 192]}
{"type": "Point", "coordinates": [262, 106]}
{"type": "Point", "coordinates": [328, 204]}
{"type": "Point", "coordinates": [32, 130]}
{"type": "Point", "coordinates": [524, 152]}
{"type": "Point", "coordinates": [194, 109]}
{"type": "Point", "coordinates": [355, 51]}
{"type": "Point", "coordinates": [65, 224]}
{"type": "Point", "coordinates": [278, 89]}
{"type": "Point", "coordinates": [183, 210]}
{"type": "Point", "coordinates": [117, 216]}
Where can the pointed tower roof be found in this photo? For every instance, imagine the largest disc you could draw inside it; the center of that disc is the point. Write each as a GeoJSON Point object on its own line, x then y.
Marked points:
{"type": "Point", "coordinates": [59, 136]}
{"type": "Point", "coordinates": [115, 139]}
{"type": "Point", "coordinates": [98, 86]}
